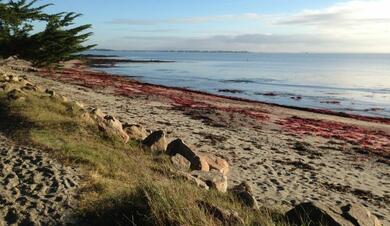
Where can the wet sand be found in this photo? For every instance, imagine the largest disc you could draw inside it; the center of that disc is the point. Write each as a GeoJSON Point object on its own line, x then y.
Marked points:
{"type": "Point", "coordinates": [289, 155]}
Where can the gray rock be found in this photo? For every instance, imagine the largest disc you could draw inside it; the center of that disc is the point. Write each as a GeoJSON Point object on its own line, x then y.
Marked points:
{"type": "Point", "coordinates": [226, 217]}
{"type": "Point", "coordinates": [179, 147]}
{"type": "Point", "coordinates": [51, 93]}
{"type": "Point", "coordinates": [244, 193]}
{"type": "Point", "coordinates": [180, 162]}
{"type": "Point", "coordinates": [135, 132]}
{"type": "Point", "coordinates": [155, 142]}
{"type": "Point", "coordinates": [192, 179]}
{"type": "Point", "coordinates": [214, 179]}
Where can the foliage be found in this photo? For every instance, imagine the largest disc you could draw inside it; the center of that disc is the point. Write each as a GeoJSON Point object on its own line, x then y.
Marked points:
{"type": "Point", "coordinates": [60, 40]}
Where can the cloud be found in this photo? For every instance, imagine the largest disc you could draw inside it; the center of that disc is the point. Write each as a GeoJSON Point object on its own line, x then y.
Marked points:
{"type": "Point", "coordinates": [189, 20]}
{"type": "Point", "coordinates": [341, 14]}
{"type": "Point", "coordinates": [349, 26]}
{"type": "Point", "coordinates": [249, 42]}
{"type": "Point", "coordinates": [155, 30]}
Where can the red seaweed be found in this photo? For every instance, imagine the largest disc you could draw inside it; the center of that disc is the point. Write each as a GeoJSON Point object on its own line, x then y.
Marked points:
{"type": "Point", "coordinates": [373, 140]}
{"type": "Point", "coordinates": [179, 96]}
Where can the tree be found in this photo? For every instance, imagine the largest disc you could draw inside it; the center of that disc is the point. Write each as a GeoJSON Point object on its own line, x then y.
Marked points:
{"type": "Point", "coordinates": [59, 41]}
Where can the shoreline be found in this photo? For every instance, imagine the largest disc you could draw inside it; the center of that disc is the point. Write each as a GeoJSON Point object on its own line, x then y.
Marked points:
{"type": "Point", "coordinates": [378, 119]}
{"type": "Point", "coordinates": [289, 155]}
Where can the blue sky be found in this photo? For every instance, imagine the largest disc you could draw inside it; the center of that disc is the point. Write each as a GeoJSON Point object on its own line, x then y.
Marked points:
{"type": "Point", "coordinates": [254, 25]}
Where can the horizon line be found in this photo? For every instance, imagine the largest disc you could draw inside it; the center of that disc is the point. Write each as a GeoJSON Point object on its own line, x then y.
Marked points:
{"type": "Point", "coordinates": [232, 51]}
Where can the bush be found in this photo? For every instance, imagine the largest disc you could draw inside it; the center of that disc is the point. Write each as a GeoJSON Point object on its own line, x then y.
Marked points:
{"type": "Point", "coordinates": [59, 41]}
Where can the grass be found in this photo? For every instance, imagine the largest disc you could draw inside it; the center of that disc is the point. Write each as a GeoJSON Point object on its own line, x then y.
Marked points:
{"type": "Point", "coordinates": [124, 185]}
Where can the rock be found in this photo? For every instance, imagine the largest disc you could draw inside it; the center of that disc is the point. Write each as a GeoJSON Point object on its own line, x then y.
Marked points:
{"type": "Point", "coordinates": [180, 162]}
{"type": "Point", "coordinates": [37, 88]}
{"type": "Point", "coordinates": [95, 112]}
{"type": "Point", "coordinates": [51, 93]}
{"type": "Point", "coordinates": [4, 78]}
{"type": "Point", "coordinates": [179, 147]}
{"type": "Point", "coordinates": [78, 104]}
{"type": "Point", "coordinates": [192, 179]}
{"type": "Point", "coordinates": [86, 117]}
{"type": "Point", "coordinates": [217, 163]}
{"type": "Point", "coordinates": [16, 94]}
{"type": "Point", "coordinates": [27, 86]}
{"type": "Point", "coordinates": [114, 126]}
{"type": "Point", "coordinates": [213, 179]}
{"type": "Point", "coordinates": [136, 132]}
{"type": "Point", "coordinates": [13, 78]}
{"type": "Point", "coordinates": [313, 214]}
{"type": "Point", "coordinates": [226, 217]}
{"type": "Point", "coordinates": [359, 215]}
{"type": "Point", "coordinates": [155, 141]}
{"type": "Point", "coordinates": [63, 98]}
{"type": "Point", "coordinates": [106, 123]}
{"type": "Point", "coordinates": [244, 193]}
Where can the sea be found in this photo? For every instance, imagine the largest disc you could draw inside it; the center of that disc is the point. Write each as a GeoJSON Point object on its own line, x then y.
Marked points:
{"type": "Point", "coordinates": [350, 83]}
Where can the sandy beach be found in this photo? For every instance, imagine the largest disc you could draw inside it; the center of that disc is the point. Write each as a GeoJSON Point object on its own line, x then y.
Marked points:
{"type": "Point", "coordinates": [288, 155]}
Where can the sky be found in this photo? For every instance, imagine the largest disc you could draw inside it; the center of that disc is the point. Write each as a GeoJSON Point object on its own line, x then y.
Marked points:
{"type": "Point", "coordinates": [358, 26]}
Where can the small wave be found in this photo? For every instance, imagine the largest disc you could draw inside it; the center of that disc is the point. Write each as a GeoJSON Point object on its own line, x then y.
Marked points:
{"type": "Point", "coordinates": [230, 91]}
{"type": "Point", "coordinates": [165, 70]}
{"type": "Point", "coordinates": [238, 81]}
{"type": "Point", "coordinates": [245, 80]}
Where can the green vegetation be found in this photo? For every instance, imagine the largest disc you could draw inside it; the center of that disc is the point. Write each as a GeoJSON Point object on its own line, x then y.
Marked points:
{"type": "Point", "coordinates": [124, 184]}
{"type": "Point", "coordinates": [59, 40]}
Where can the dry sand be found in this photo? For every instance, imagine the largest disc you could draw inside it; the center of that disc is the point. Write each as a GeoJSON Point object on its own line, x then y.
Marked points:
{"type": "Point", "coordinates": [288, 155]}
{"type": "Point", "coordinates": [34, 189]}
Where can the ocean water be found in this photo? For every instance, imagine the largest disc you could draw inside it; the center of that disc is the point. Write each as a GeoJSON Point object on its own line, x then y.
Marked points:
{"type": "Point", "coordinates": [351, 83]}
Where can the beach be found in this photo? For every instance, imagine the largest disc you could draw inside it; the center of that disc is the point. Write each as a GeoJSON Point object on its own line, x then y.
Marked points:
{"type": "Point", "coordinates": [289, 155]}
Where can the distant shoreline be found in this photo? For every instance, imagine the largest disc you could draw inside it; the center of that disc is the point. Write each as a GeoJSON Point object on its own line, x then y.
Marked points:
{"type": "Point", "coordinates": [107, 61]}
{"type": "Point", "coordinates": [227, 51]}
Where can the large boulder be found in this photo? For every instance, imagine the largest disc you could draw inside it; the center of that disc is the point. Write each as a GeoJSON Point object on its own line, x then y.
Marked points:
{"type": "Point", "coordinates": [217, 163]}
{"type": "Point", "coordinates": [178, 147]}
{"type": "Point", "coordinates": [213, 179]}
{"type": "Point", "coordinates": [135, 132]}
{"type": "Point", "coordinates": [225, 216]}
{"type": "Point", "coordinates": [359, 215]}
{"type": "Point", "coordinates": [312, 214]}
{"type": "Point", "coordinates": [244, 193]}
{"type": "Point", "coordinates": [155, 142]}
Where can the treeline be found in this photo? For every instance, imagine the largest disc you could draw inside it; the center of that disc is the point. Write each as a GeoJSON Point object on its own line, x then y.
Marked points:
{"type": "Point", "coordinates": [22, 35]}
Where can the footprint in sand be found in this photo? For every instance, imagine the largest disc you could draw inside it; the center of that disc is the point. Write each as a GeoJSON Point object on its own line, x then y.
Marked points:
{"type": "Point", "coordinates": [34, 190]}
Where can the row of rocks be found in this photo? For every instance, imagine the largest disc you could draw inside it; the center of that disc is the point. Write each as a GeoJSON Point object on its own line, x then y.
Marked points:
{"type": "Point", "coordinates": [210, 172]}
